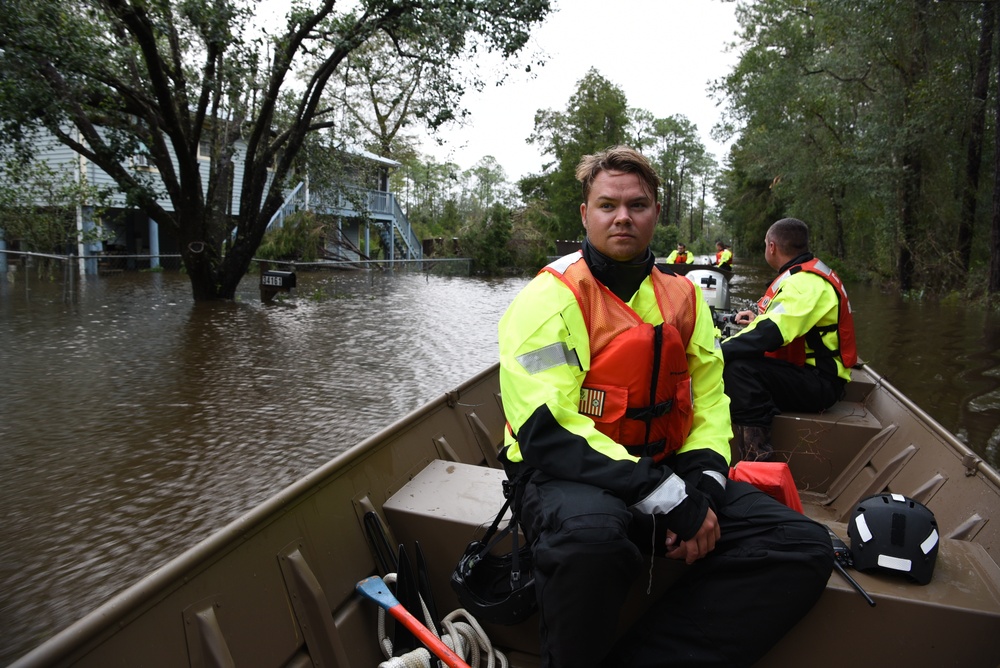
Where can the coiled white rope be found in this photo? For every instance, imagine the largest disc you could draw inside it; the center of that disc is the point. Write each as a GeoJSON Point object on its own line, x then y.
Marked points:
{"type": "Point", "coordinates": [462, 634]}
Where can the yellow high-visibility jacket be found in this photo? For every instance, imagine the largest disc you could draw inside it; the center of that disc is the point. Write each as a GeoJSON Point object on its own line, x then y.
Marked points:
{"type": "Point", "coordinates": [548, 432]}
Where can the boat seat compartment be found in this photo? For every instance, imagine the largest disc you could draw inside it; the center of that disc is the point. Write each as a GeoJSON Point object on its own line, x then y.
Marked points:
{"type": "Point", "coordinates": [819, 452]}
{"type": "Point", "coordinates": [444, 508]}
{"type": "Point", "coordinates": [448, 505]}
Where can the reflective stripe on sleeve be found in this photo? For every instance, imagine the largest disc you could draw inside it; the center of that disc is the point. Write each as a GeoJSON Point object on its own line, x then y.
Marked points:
{"type": "Point", "coordinates": [548, 357]}
{"type": "Point", "coordinates": [717, 477]}
{"type": "Point", "coordinates": [664, 498]}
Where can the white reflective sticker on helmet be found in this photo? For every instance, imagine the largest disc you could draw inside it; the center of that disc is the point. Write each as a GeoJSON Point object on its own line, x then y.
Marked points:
{"type": "Point", "coordinates": [895, 563]}
{"type": "Point", "coordinates": [864, 533]}
{"type": "Point", "coordinates": [898, 497]}
{"type": "Point", "coordinates": [929, 542]}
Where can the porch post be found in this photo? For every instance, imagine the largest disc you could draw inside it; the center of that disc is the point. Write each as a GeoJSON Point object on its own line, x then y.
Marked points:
{"type": "Point", "coordinates": [86, 249]}
{"type": "Point", "coordinates": [154, 244]}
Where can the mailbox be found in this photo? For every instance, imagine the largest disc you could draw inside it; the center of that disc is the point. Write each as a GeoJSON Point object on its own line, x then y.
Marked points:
{"type": "Point", "coordinates": [273, 282]}
{"type": "Point", "coordinates": [277, 280]}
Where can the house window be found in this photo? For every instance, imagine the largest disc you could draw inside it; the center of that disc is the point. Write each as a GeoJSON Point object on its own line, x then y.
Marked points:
{"type": "Point", "coordinates": [143, 162]}
{"type": "Point", "coordinates": [204, 150]}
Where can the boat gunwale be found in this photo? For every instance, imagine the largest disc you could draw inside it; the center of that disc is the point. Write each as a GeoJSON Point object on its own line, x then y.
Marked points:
{"type": "Point", "coordinates": [961, 448]}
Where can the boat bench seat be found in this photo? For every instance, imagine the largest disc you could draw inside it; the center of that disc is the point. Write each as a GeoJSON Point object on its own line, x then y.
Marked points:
{"type": "Point", "coordinates": [826, 450]}
{"type": "Point", "coordinates": [817, 440]}
{"type": "Point", "coordinates": [945, 622]}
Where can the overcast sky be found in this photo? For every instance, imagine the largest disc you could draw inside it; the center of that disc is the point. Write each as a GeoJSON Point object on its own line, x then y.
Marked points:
{"type": "Point", "coordinates": [661, 53]}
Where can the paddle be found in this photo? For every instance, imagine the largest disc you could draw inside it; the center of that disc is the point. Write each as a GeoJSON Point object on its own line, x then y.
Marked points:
{"type": "Point", "coordinates": [375, 589]}
{"type": "Point", "coordinates": [403, 640]}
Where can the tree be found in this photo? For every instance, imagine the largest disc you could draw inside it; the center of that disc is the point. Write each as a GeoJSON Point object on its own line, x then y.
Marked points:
{"type": "Point", "coordinates": [680, 157]}
{"type": "Point", "coordinates": [384, 89]}
{"type": "Point", "coordinates": [980, 91]}
{"type": "Point", "coordinates": [114, 78]}
{"type": "Point", "coordinates": [596, 117]}
{"type": "Point", "coordinates": [486, 185]}
{"type": "Point", "coordinates": [486, 240]}
{"type": "Point", "coordinates": [859, 116]}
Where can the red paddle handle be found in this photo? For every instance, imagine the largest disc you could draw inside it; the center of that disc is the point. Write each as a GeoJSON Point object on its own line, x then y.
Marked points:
{"type": "Point", "coordinates": [425, 636]}
{"type": "Point", "coordinates": [374, 589]}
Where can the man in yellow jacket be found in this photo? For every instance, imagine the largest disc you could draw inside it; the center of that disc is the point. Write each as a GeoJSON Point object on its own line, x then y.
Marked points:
{"type": "Point", "coordinates": [723, 256]}
{"type": "Point", "coordinates": [797, 354]}
{"type": "Point", "coordinates": [680, 256]}
{"type": "Point", "coordinates": [618, 444]}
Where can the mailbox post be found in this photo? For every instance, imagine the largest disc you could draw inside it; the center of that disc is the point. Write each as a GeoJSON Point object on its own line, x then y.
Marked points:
{"type": "Point", "coordinates": [273, 282]}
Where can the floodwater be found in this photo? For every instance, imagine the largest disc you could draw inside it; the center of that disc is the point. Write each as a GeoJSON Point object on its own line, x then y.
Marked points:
{"type": "Point", "coordinates": [134, 423]}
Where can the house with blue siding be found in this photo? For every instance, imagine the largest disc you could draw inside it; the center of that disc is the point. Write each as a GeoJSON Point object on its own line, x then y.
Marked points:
{"type": "Point", "coordinates": [363, 210]}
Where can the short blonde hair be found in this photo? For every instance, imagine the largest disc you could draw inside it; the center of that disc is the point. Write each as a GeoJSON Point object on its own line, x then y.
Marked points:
{"type": "Point", "coordinates": [617, 159]}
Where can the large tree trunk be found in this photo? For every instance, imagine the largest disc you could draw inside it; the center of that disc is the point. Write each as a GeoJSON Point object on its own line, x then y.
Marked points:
{"type": "Point", "coordinates": [974, 155]}
{"type": "Point", "coordinates": [994, 282]}
{"type": "Point", "coordinates": [838, 222]}
{"type": "Point", "coordinates": [912, 160]}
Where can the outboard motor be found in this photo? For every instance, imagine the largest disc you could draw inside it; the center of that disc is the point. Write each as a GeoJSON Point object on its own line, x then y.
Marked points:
{"type": "Point", "coordinates": [714, 287]}
{"type": "Point", "coordinates": [714, 284]}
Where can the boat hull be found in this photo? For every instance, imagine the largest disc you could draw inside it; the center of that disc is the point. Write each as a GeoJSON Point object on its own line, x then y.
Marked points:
{"type": "Point", "coordinates": [277, 586]}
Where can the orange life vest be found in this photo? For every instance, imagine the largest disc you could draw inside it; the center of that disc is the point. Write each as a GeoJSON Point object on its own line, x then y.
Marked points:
{"type": "Point", "coordinates": [681, 258]}
{"type": "Point", "coordinates": [795, 351]}
{"type": "Point", "coordinates": [632, 361]}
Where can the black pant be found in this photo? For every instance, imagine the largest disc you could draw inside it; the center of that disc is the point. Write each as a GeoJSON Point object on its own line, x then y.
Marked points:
{"type": "Point", "coordinates": [767, 570]}
{"type": "Point", "coordinates": [760, 388]}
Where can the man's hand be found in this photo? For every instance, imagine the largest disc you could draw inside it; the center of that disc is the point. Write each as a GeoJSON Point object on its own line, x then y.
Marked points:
{"type": "Point", "coordinates": [744, 317]}
{"type": "Point", "coordinates": [699, 545]}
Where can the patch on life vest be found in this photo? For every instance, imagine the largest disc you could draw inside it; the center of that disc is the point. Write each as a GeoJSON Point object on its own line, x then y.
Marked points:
{"type": "Point", "coordinates": [592, 402]}
{"type": "Point", "coordinates": [764, 303]}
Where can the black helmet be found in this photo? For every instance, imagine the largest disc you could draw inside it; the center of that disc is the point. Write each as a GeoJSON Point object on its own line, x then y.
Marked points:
{"type": "Point", "coordinates": [894, 533]}
{"type": "Point", "coordinates": [497, 588]}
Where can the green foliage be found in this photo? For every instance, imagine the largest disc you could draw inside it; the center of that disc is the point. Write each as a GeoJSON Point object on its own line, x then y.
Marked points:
{"type": "Point", "coordinates": [501, 242]}
{"type": "Point", "coordinates": [854, 116]}
{"type": "Point", "coordinates": [665, 238]}
{"type": "Point", "coordinates": [299, 239]}
{"type": "Point", "coordinates": [595, 118]}
{"type": "Point", "coordinates": [487, 242]}
{"type": "Point", "coordinates": [38, 207]}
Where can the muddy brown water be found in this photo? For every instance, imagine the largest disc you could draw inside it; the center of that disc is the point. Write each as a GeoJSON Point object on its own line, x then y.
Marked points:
{"type": "Point", "coordinates": [134, 423]}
